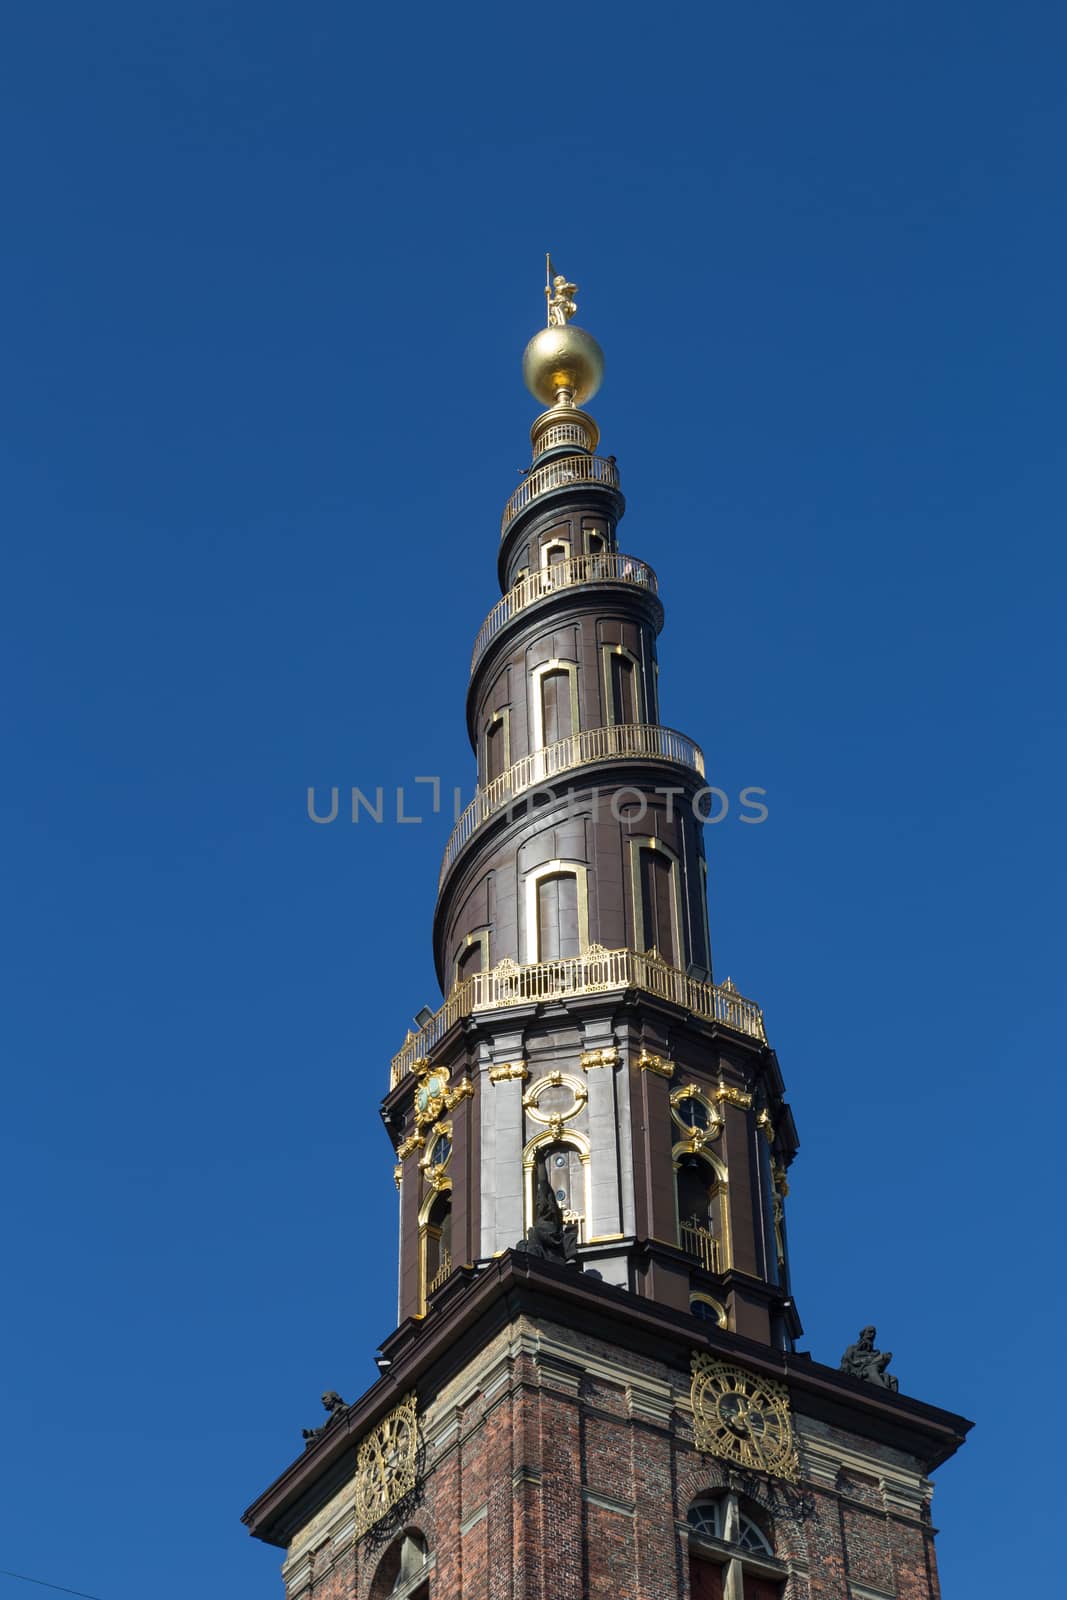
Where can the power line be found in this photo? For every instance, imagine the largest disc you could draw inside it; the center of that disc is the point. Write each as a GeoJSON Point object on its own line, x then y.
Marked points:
{"type": "Point", "coordinates": [58, 1587]}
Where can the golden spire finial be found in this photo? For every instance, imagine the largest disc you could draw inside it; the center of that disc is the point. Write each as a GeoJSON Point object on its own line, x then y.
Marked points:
{"type": "Point", "coordinates": [560, 296]}
{"type": "Point", "coordinates": [562, 365]}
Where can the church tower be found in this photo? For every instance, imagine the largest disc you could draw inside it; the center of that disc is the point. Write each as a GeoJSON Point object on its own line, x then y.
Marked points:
{"type": "Point", "coordinates": [593, 1389]}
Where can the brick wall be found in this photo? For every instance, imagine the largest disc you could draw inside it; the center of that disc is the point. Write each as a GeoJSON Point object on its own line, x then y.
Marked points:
{"type": "Point", "coordinates": [560, 1467]}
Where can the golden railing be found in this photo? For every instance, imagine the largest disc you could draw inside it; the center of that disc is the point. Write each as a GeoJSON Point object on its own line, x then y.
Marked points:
{"type": "Point", "coordinates": [444, 1271]}
{"type": "Point", "coordinates": [621, 740]}
{"type": "Point", "coordinates": [597, 970]}
{"type": "Point", "coordinates": [602, 567]}
{"type": "Point", "coordinates": [559, 474]}
{"type": "Point", "coordinates": [560, 433]}
{"type": "Point", "coordinates": [701, 1243]}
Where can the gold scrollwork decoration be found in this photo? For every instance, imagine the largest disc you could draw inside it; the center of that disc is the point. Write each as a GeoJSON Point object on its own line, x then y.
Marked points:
{"type": "Point", "coordinates": [414, 1141]}
{"type": "Point", "coordinates": [434, 1096]}
{"type": "Point", "coordinates": [608, 1057]}
{"type": "Point", "coordinates": [696, 1135]}
{"type": "Point", "coordinates": [727, 1094]}
{"type": "Point", "coordinates": [559, 1114]}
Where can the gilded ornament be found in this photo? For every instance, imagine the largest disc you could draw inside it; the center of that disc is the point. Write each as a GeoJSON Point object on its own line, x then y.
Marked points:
{"type": "Point", "coordinates": [742, 1419]}
{"type": "Point", "coordinates": [414, 1141]}
{"type": "Point", "coordinates": [555, 1080]}
{"type": "Point", "coordinates": [658, 1064]}
{"type": "Point", "coordinates": [733, 1097]}
{"type": "Point", "coordinates": [560, 297]}
{"type": "Point", "coordinates": [386, 1465]}
{"type": "Point", "coordinates": [699, 1134]}
{"type": "Point", "coordinates": [507, 1071]}
{"type": "Point", "coordinates": [608, 1057]}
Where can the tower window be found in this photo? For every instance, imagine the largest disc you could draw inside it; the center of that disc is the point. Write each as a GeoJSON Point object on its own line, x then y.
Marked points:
{"type": "Point", "coordinates": [707, 1310]}
{"type": "Point", "coordinates": [553, 708]}
{"type": "Point", "coordinates": [403, 1573]}
{"type": "Point", "coordinates": [657, 908]}
{"type": "Point", "coordinates": [699, 1223]}
{"type": "Point", "coordinates": [442, 1149]}
{"type": "Point", "coordinates": [567, 1167]}
{"type": "Point", "coordinates": [556, 720]}
{"type": "Point", "coordinates": [497, 746]}
{"type": "Point", "coordinates": [623, 689]}
{"type": "Point", "coordinates": [692, 1112]}
{"type": "Point", "coordinates": [657, 904]}
{"type": "Point", "coordinates": [717, 1519]}
{"type": "Point", "coordinates": [622, 685]}
{"type": "Point", "coordinates": [557, 917]}
{"type": "Point", "coordinates": [473, 955]}
{"type": "Point", "coordinates": [555, 554]}
{"type": "Point", "coordinates": [437, 1245]}
{"type": "Point", "coordinates": [556, 911]}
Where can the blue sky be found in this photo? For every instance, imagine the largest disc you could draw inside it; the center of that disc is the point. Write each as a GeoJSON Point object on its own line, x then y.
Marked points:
{"type": "Point", "coordinates": [266, 277]}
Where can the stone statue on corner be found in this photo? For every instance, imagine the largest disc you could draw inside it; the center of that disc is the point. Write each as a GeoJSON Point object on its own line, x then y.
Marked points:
{"type": "Point", "coordinates": [334, 1407]}
{"type": "Point", "coordinates": [550, 1238]}
{"type": "Point", "coordinates": [862, 1360]}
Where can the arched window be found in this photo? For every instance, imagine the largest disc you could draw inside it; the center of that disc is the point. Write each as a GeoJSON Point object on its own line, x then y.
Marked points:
{"type": "Point", "coordinates": [719, 1518]}
{"type": "Point", "coordinates": [497, 745]}
{"type": "Point", "coordinates": [553, 715]}
{"type": "Point", "coordinates": [707, 1309]}
{"type": "Point", "coordinates": [557, 911]}
{"type": "Point", "coordinates": [404, 1570]}
{"type": "Point", "coordinates": [566, 1160]}
{"type": "Point", "coordinates": [623, 699]}
{"type": "Point", "coordinates": [700, 1190]}
{"type": "Point", "coordinates": [435, 1239]}
{"type": "Point", "coordinates": [657, 907]}
{"type": "Point", "coordinates": [555, 553]}
{"type": "Point", "coordinates": [731, 1551]}
{"type": "Point", "coordinates": [473, 955]}
{"type": "Point", "coordinates": [557, 721]}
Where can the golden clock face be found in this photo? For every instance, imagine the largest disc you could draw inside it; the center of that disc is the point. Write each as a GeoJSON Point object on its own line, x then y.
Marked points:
{"type": "Point", "coordinates": [386, 1465]}
{"type": "Point", "coordinates": [742, 1418]}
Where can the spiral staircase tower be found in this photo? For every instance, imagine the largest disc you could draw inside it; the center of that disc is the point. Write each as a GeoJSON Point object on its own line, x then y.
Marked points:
{"type": "Point", "coordinates": [593, 1388]}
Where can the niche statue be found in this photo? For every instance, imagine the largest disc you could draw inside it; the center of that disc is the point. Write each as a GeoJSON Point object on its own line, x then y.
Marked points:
{"type": "Point", "coordinates": [862, 1360]}
{"type": "Point", "coordinates": [550, 1238]}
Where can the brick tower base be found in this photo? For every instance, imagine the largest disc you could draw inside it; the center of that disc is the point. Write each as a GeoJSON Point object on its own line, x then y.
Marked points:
{"type": "Point", "coordinates": [557, 1461]}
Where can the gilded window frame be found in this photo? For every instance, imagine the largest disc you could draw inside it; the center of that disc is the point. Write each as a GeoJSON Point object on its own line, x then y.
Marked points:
{"type": "Point", "coordinates": [612, 720]}
{"type": "Point", "coordinates": [554, 869]}
{"type": "Point", "coordinates": [648, 841]}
